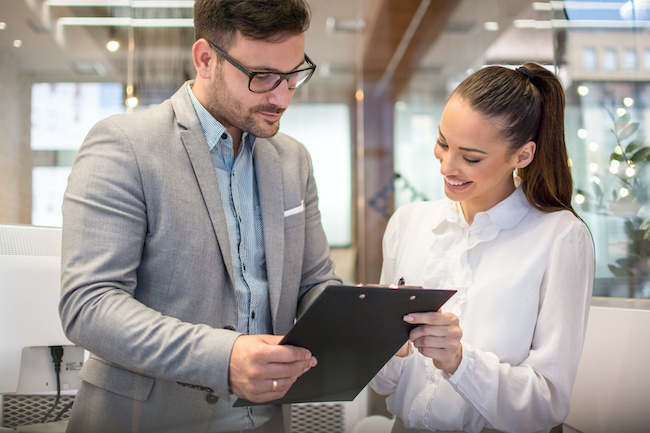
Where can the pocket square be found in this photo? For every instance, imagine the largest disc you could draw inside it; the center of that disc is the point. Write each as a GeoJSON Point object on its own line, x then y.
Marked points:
{"type": "Point", "coordinates": [295, 210]}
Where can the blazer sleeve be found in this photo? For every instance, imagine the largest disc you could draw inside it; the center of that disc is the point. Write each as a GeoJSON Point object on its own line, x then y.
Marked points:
{"type": "Point", "coordinates": [104, 230]}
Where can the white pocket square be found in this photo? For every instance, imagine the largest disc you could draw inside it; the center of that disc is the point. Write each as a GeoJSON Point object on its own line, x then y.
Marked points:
{"type": "Point", "coordinates": [295, 210]}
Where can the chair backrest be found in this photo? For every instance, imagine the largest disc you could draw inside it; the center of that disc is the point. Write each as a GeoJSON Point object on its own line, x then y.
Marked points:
{"type": "Point", "coordinates": [612, 389]}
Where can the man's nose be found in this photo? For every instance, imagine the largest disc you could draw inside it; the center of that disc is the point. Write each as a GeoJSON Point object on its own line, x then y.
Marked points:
{"type": "Point", "coordinates": [281, 95]}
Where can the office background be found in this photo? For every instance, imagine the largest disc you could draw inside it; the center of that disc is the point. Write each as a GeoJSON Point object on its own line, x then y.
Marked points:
{"type": "Point", "coordinates": [369, 115]}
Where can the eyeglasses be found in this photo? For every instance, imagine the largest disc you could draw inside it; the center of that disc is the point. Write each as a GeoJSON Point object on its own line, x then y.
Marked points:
{"type": "Point", "coordinates": [262, 82]}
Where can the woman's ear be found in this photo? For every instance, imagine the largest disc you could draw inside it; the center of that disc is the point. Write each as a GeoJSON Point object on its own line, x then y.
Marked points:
{"type": "Point", "coordinates": [525, 154]}
{"type": "Point", "coordinates": [202, 54]}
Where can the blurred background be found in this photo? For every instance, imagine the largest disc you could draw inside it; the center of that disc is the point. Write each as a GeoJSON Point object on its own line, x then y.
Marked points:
{"type": "Point", "coordinates": [369, 115]}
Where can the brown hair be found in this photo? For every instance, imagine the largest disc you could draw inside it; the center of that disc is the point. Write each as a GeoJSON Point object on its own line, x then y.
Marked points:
{"type": "Point", "coordinates": [528, 104]}
{"type": "Point", "coordinates": [219, 20]}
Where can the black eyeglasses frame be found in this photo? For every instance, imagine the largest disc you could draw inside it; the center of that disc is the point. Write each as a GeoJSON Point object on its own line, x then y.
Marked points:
{"type": "Point", "coordinates": [252, 74]}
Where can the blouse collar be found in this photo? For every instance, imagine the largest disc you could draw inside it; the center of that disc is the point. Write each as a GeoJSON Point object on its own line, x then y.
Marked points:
{"type": "Point", "coordinates": [505, 214]}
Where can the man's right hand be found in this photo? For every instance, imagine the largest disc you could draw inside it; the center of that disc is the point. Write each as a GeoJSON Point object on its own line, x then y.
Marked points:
{"type": "Point", "coordinates": [258, 364]}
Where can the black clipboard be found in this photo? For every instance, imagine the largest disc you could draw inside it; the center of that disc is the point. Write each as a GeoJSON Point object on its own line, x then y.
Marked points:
{"type": "Point", "coordinates": [352, 331]}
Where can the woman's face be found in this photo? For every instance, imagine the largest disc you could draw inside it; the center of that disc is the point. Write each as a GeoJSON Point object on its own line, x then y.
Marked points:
{"type": "Point", "coordinates": [475, 160]}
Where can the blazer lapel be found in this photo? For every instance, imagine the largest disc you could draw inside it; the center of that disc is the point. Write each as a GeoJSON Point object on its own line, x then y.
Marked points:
{"type": "Point", "coordinates": [197, 150]}
{"type": "Point", "coordinates": [269, 187]}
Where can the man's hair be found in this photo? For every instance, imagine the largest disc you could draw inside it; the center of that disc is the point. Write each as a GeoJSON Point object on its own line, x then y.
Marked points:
{"type": "Point", "coordinates": [219, 21]}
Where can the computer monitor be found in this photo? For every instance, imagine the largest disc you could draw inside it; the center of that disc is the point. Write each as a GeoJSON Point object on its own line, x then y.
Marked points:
{"type": "Point", "coordinates": [30, 283]}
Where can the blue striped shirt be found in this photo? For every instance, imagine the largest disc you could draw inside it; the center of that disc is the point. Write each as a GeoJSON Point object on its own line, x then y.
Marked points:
{"type": "Point", "coordinates": [238, 188]}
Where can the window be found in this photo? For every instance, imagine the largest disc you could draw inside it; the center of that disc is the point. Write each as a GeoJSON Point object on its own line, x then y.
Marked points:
{"type": "Point", "coordinates": [610, 60]}
{"type": "Point", "coordinates": [589, 59]}
{"type": "Point", "coordinates": [325, 130]}
{"type": "Point", "coordinates": [62, 115]}
{"type": "Point", "coordinates": [630, 61]}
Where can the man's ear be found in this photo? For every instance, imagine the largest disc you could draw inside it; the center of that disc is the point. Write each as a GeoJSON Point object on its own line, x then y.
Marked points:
{"type": "Point", "coordinates": [204, 58]}
{"type": "Point", "coordinates": [525, 154]}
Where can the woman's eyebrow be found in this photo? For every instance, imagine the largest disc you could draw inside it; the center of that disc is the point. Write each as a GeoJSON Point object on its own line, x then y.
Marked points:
{"type": "Point", "coordinates": [466, 149]}
{"type": "Point", "coordinates": [469, 149]}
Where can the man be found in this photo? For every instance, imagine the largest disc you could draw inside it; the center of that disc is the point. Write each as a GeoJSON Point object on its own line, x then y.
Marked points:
{"type": "Point", "coordinates": [191, 233]}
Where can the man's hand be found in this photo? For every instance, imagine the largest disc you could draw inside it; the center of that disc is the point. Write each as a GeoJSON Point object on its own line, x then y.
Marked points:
{"type": "Point", "coordinates": [438, 337]}
{"type": "Point", "coordinates": [262, 370]}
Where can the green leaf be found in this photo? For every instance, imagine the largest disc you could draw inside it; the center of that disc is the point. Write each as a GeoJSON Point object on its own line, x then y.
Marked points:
{"type": "Point", "coordinates": [623, 263]}
{"type": "Point", "coordinates": [616, 157]}
{"type": "Point", "coordinates": [620, 272]}
{"type": "Point", "coordinates": [645, 225]}
{"type": "Point", "coordinates": [621, 122]}
{"type": "Point", "coordinates": [641, 155]}
{"type": "Point", "coordinates": [634, 145]}
{"type": "Point", "coordinates": [628, 131]}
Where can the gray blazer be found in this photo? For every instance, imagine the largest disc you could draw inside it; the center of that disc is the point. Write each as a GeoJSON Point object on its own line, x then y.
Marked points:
{"type": "Point", "coordinates": [147, 276]}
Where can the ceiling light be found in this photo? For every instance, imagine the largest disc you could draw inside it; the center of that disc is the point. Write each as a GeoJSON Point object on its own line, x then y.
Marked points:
{"type": "Point", "coordinates": [112, 46]}
{"type": "Point", "coordinates": [132, 102]}
{"type": "Point", "coordinates": [160, 4]}
{"type": "Point", "coordinates": [18, 43]}
{"type": "Point", "coordinates": [88, 67]}
{"type": "Point", "coordinates": [124, 22]}
{"type": "Point", "coordinates": [344, 25]}
{"type": "Point", "coordinates": [3, 25]}
{"type": "Point", "coordinates": [491, 26]}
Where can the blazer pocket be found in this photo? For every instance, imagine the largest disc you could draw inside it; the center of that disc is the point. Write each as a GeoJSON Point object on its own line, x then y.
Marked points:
{"type": "Point", "coordinates": [296, 210]}
{"type": "Point", "coordinates": [116, 380]}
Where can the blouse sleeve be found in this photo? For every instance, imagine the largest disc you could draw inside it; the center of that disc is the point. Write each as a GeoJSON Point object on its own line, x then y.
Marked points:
{"type": "Point", "coordinates": [535, 395]}
{"type": "Point", "coordinates": [385, 382]}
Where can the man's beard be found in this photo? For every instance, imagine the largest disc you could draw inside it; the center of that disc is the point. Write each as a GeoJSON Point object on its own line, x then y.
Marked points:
{"type": "Point", "coordinates": [230, 111]}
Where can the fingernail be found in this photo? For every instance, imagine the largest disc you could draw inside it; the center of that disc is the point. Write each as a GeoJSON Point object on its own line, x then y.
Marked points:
{"type": "Point", "coordinates": [408, 318]}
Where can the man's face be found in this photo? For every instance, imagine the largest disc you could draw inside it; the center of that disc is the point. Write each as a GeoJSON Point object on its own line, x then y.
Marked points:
{"type": "Point", "coordinates": [231, 102]}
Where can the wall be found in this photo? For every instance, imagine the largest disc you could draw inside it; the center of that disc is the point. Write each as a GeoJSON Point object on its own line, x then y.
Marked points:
{"type": "Point", "coordinates": [15, 153]}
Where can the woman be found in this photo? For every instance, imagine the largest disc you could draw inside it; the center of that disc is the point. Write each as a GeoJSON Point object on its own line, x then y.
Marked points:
{"type": "Point", "coordinates": [502, 354]}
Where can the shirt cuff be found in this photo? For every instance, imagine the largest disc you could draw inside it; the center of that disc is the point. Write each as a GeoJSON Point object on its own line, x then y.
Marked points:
{"type": "Point", "coordinates": [462, 367]}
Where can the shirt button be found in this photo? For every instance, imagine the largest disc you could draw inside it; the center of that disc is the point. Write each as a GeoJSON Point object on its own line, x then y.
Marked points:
{"type": "Point", "coordinates": [229, 328]}
{"type": "Point", "coordinates": [224, 135]}
{"type": "Point", "coordinates": [212, 399]}
{"type": "Point", "coordinates": [253, 315]}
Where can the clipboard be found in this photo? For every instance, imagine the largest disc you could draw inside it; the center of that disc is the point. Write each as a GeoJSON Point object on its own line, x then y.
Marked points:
{"type": "Point", "coordinates": [352, 331]}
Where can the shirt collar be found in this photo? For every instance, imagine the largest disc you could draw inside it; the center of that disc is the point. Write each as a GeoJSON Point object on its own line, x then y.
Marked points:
{"type": "Point", "coordinates": [505, 214]}
{"type": "Point", "coordinates": [213, 130]}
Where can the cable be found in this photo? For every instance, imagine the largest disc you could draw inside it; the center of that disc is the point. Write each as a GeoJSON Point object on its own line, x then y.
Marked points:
{"type": "Point", "coordinates": [57, 357]}
{"type": "Point", "coordinates": [66, 408]}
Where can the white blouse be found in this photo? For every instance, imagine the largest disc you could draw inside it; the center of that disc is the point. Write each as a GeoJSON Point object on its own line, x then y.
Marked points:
{"type": "Point", "coordinates": [524, 280]}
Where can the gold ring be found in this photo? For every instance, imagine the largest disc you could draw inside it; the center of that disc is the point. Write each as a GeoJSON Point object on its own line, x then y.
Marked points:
{"type": "Point", "coordinates": [275, 385]}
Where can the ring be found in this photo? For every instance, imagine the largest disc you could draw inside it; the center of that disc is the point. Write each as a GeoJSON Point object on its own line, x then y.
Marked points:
{"type": "Point", "coordinates": [275, 385]}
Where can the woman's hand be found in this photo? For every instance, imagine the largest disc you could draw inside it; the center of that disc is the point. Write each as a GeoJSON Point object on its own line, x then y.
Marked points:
{"type": "Point", "coordinates": [437, 337]}
{"type": "Point", "coordinates": [403, 351]}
